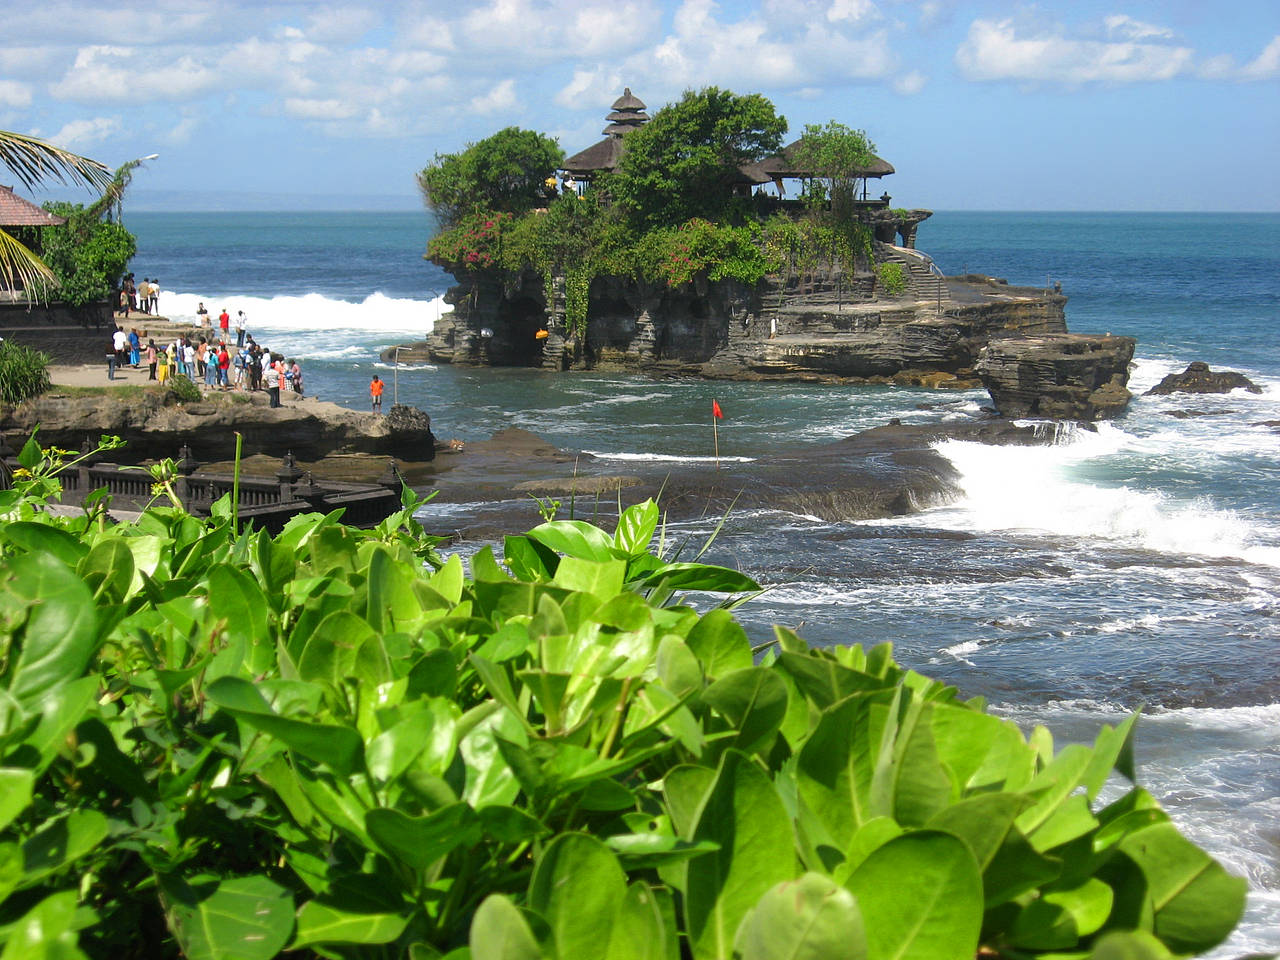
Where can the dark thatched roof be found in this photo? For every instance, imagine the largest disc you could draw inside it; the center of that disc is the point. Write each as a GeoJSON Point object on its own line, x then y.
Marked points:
{"type": "Point", "coordinates": [601, 156]}
{"type": "Point", "coordinates": [17, 212]}
{"type": "Point", "coordinates": [628, 101]}
{"type": "Point", "coordinates": [783, 166]}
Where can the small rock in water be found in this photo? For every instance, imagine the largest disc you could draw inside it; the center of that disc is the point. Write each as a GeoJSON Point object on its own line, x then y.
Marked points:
{"type": "Point", "coordinates": [1198, 378]}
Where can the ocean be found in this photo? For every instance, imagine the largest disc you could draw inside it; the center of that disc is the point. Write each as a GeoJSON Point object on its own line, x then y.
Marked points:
{"type": "Point", "coordinates": [1135, 566]}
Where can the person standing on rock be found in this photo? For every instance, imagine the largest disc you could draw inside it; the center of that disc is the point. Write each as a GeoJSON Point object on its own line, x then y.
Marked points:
{"type": "Point", "coordinates": [202, 314]}
{"type": "Point", "coordinates": [271, 376]}
{"type": "Point", "coordinates": [241, 321]}
{"type": "Point", "coordinates": [376, 387]}
{"type": "Point", "coordinates": [135, 348]}
{"type": "Point", "coordinates": [111, 359]}
{"type": "Point", "coordinates": [155, 297]}
{"type": "Point", "coordinates": [120, 342]}
{"type": "Point", "coordinates": [151, 359]}
{"type": "Point", "coordinates": [224, 322]}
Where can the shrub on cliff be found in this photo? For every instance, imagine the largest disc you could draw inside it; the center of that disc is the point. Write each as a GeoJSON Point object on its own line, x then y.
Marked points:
{"type": "Point", "coordinates": [680, 164]}
{"type": "Point", "coordinates": [221, 743]}
{"type": "Point", "coordinates": [506, 172]}
{"type": "Point", "coordinates": [24, 372]}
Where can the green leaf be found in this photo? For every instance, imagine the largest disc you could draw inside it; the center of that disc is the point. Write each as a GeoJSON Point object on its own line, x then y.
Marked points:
{"type": "Point", "coordinates": [60, 844]}
{"type": "Point", "coordinates": [500, 932]}
{"type": "Point", "coordinates": [15, 793]}
{"type": "Point", "coordinates": [982, 822]}
{"type": "Point", "coordinates": [1129, 945]}
{"type": "Point", "coordinates": [60, 635]}
{"type": "Point", "coordinates": [720, 644]}
{"type": "Point", "coordinates": [636, 527]}
{"type": "Point", "coordinates": [702, 577]}
{"type": "Point", "coordinates": [744, 816]}
{"type": "Point", "coordinates": [392, 603]}
{"type": "Point", "coordinates": [42, 538]}
{"type": "Point", "coordinates": [576, 887]}
{"type": "Point", "coordinates": [601, 579]}
{"type": "Point", "coordinates": [754, 701]}
{"type": "Point", "coordinates": [245, 918]}
{"type": "Point", "coordinates": [421, 841]}
{"type": "Point", "coordinates": [108, 570]}
{"type": "Point", "coordinates": [321, 923]}
{"type": "Point", "coordinates": [921, 898]}
{"type": "Point", "coordinates": [810, 918]}
{"type": "Point", "coordinates": [1060, 917]}
{"type": "Point", "coordinates": [826, 682]}
{"type": "Point", "coordinates": [574, 538]}
{"type": "Point", "coordinates": [639, 850]}
{"type": "Point", "coordinates": [45, 932]}
{"type": "Point", "coordinates": [1196, 902]}
{"type": "Point", "coordinates": [341, 748]}
{"type": "Point", "coordinates": [640, 931]}
{"type": "Point", "coordinates": [528, 559]}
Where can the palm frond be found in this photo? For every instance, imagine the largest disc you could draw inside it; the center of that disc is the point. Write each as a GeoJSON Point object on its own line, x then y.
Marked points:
{"type": "Point", "coordinates": [20, 268]}
{"type": "Point", "coordinates": [33, 161]}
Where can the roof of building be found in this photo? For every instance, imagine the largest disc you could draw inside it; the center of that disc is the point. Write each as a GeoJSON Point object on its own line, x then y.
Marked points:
{"type": "Point", "coordinates": [627, 115]}
{"type": "Point", "coordinates": [784, 166]}
{"type": "Point", "coordinates": [15, 211]}
{"type": "Point", "coordinates": [599, 156]}
{"type": "Point", "coordinates": [628, 101]}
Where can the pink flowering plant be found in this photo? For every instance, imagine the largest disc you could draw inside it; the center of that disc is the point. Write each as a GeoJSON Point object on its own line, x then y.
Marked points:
{"type": "Point", "coordinates": [475, 243]}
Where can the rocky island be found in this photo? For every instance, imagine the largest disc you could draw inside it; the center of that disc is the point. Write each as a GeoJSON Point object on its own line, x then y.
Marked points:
{"type": "Point", "coordinates": [767, 263]}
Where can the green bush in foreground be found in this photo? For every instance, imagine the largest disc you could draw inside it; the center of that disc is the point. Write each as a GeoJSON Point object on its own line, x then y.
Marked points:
{"type": "Point", "coordinates": [24, 372]}
{"type": "Point", "coordinates": [220, 744]}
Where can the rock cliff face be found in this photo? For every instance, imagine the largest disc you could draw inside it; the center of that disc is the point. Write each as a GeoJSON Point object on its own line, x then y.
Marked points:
{"type": "Point", "coordinates": [830, 328]}
{"type": "Point", "coordinates": [827, 327]}
{"type": "Point", "coordinates": [1060, 376]}
{"type": "Point", "coordinates": [155, 426]}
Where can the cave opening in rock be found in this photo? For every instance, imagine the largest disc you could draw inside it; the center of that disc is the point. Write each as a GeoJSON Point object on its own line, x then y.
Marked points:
{"type": "Point", "coordinates": [515, 340]}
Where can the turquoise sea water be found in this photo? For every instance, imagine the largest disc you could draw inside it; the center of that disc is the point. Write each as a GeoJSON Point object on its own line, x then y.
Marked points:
{"type": "Point", "coordinates": [1139, 565]}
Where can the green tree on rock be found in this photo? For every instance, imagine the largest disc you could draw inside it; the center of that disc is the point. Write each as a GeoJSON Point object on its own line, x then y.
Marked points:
{"type": "Point", "coordinates": [682, 163]}
{"type": "Point", "coordinates": [506, 173]}
{"type": "Point", "coordinates": [32, 161]}
{"type": "Point", "coordinates": [838, 157]}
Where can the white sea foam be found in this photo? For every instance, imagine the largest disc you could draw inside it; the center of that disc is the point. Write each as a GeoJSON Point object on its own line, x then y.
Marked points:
{"type": "Point", "coordinates": [665, 457]}
{"type": "Point", "coordinates": [1032, 489]}
{"type": "Point", "coordinates": [312, 311]}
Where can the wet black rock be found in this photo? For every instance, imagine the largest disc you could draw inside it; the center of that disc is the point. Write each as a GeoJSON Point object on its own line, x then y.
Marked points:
{"type": "Point", "coordinates": [1198, 378]}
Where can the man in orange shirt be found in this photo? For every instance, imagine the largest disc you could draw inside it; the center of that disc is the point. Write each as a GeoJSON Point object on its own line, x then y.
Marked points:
{"type": "Point", "coordinates": [375, 393]}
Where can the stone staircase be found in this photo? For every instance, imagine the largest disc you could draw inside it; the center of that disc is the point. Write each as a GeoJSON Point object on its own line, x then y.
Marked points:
{"type": "Point", "coordinates": [923, 285]}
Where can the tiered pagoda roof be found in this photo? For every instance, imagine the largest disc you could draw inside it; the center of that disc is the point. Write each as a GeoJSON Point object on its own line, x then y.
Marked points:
{"type": "Point", "coordinates": [627, 115]}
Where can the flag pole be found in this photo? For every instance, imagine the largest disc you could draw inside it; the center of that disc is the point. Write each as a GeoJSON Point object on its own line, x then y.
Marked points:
{"type": "Point", "coordinates": [715, 433]}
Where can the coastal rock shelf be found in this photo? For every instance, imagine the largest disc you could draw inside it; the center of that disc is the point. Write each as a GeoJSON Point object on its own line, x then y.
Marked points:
{"type": "Point", "coordinates": [1060, 376]}
{"type": "Point", "coordinates": [1198, 378]}
{"type": "Point", "coordinates": [154, 426]}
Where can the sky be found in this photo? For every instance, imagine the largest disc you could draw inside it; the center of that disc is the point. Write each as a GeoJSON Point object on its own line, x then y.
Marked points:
{"type": "Point", "coordinates": [987, 105]}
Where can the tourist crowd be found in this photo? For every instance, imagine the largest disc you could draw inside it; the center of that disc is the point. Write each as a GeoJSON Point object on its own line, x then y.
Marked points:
{"type": "Point", "coordinates": [212, 363]}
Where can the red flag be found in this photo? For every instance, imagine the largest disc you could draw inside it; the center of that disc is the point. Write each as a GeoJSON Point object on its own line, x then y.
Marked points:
{"type": "Point", "coordinates": [716, 411]}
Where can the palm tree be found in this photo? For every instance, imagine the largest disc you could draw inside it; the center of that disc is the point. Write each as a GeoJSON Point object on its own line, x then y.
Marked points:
{"type": "Point", "coordinates": [33, 161]}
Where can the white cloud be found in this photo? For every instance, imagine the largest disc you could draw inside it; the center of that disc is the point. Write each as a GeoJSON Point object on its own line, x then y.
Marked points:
{"type": "Point", "coordinates": [107, 74]}
{"type": "Point", "coordinates": [997, 50]}
{"type": "Point", "coordinates": [910, 83]}
{"type": "Point", "coordinates": [182, 132]}
{"type": "Point", "coordinates": [331, 109]}
{"type": "Point", "coordinates": [1265, 66]}
{"type": "Point", "coordinates": [80, 133]}
{"type": "Point", "coordinates": [340, 24]}
{"type": "Point", "coordinates": [14, 94]}
{"type": "Point", "coordinates": [852, 11]}
{"type": "Point", "coordinates": [1126, 28]}
{"type": "Point", "coordinates": [502, 96]}
{"type": "Point", "coordinates": [590, 87]}
{"type": "Point", "coordinates": [761, 52]}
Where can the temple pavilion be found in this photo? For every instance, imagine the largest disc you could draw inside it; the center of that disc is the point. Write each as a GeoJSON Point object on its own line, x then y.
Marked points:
{"type": "Point", "coordinates": [19, 218]}
{"type": "Point", "coordinates": [628, 114]}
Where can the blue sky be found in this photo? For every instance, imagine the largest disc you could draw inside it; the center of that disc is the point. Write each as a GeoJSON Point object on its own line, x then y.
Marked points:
{"type": "Point", "coordinates": [1110, 105]}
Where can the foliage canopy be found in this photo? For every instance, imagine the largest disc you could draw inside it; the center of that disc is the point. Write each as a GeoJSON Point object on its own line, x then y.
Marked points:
{"type": "Point", "coordinates": [680, 164]}
{"type": "Point", "coordinates": [219, 744]}
{"type": "Point", "coordinates": [504, 173]}
{"type": "Point", "coordinates": [88, 255]}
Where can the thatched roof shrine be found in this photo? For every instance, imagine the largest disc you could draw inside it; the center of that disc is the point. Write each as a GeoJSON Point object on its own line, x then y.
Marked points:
{"type": "Point", "coordinates": [627, 115]}
{"type": "Point", "coordinates": [15, 211]}
{"type": "Point", "coordinates": [784, 166]}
